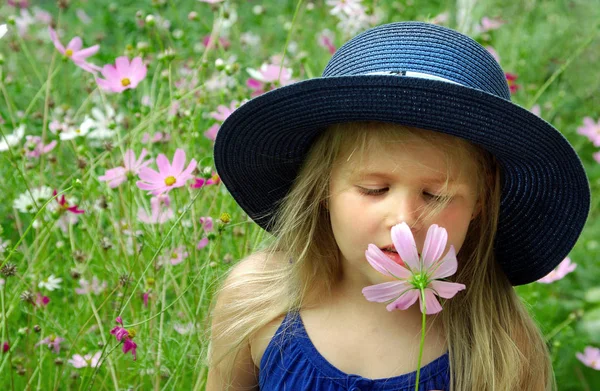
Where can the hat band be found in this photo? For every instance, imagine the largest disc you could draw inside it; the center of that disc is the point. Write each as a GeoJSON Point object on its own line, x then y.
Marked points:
{"type": "Point", "coordinates": [419, 75]}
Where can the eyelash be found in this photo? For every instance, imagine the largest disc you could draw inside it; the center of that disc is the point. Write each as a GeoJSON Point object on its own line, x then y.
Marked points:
{"type": "Point", "coordinates": [377, 192]}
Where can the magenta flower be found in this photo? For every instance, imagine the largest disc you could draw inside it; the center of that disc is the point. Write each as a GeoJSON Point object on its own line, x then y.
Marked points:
{"type": "Point", "coordinates": [131, 167]}
{"type": "Point", "coordinates": [512, 84]}
{"type": "Point", "coordinates": [34, 147]}
{"type": "Point", "coordinates": [590, 129]}
{"type": "Point", "coordinates": [5, 347]}
{"type": "Point", "coordinates": [79, 361]}
{"type": "Point", "coordinates": [41, 300]}
{"type": "Point", "coordinates": [564, 268]}
{"type": "Point", "coordinates": [325, 40]}
{"type": "Point", "coordinates": [53, 342]}
{"type": "Point", "coordinates": [123, 75]}
{"type": "Point", "coordinates": [75, 52]}
{"type": "Point", "coordinates": [168, 176]}
{"type": "Point", "coordinates": [160, 211]}
{"type": "Point", "coordinates": [201, 182]}
{"type": "Point", "coordinates": [64, 205]}
{"type": "Point", "coordinates": [590, 358]}
{"type": "Point", "coordinates": [415, 274]}
{"type": "Point", "coordinates": [202, 243]}
{"type": "Point", "coordinates": [122, 334]}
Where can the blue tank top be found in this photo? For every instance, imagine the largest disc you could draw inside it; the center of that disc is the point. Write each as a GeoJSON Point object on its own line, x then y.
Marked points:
{"type": "Point", "coordinates": [292, 363]}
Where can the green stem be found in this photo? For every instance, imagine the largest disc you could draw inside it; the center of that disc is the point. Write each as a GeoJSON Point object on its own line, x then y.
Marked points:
{"type": "Point", "coordinates": [287, 41]}
{"type": "Point", "coordinates": [422, 292]}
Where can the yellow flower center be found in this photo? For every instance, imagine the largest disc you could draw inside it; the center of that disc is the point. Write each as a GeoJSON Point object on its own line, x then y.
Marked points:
{"type": "Point", "coordinates": [125, 82]}
{"type": "Point", "coordinates": [215, 177]}
{"type": "Point", "coordinates": [77, 130]}
{"type": "Point", "coordinates": [170, 180]}
{"type": "Point", "coordinates": [131, 333]}
{"type": "Point", "coordinates": [174, 256]}
{"type": "Point", "coordinates": [68, 52]}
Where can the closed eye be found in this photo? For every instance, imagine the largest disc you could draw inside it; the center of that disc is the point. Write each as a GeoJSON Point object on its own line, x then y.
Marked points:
{"type": "Point", "coordinates": [377, 192]}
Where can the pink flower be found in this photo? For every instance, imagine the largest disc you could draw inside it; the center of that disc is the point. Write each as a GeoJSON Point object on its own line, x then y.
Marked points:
{"type": "Point", "coordinates": [591, 357]}
{"type": "Point", "coordinates": [349, 7]}
{"type": "Point", "coordinates": [122, 334]}
{"type": "Point", "coordinates": [88, 360]}
{"type": "Point", "coordinates": [41, 300]}
{"type": "Point", "coordinates": [564, 268]}
{"type": "Point", "coordinates": [75, 52]}
{"type": "Point", "coordinates": [6, 347]}
{"type": "Point", "coordinates": [267, 77]}
{"type": "Point", "coordinates": [537, 110]}
{"type": "Point", "coordinates": [211, 1]}
{"type": "Point", "coordinates": [53, 342]}
{"type": "Point", "coordinates": [224, 43]}
{"type": "Point", "coordinates": [596, 156]}
{"type": "Point", "coordinates": [116, 176]}
{"type": "Point", "coordinates": [590, 129]}
{"type": "Point", "coordinates": [201, 182]}
{"type": "Point", "coordinates": [123, 75]}
{"type": "Point", "coordinates": [202, 243]}
{"type": "Point", "coordinates": [175, 256]}
{"type": "Point", "coordinates": [415, 273]}
{"type": "Point", "coordinates": [18, 3]}
{"type": "Point", "coordinates": [34, 147]}
{"type": "Point", "coordinates": [488, 24]}
{"type": "Point", "coordinates": [145, 297]}
{"type": "Point", "coordinates": [160, 211]}
{"type": "Point", "coordinates": [211, 133]}
{"type": "Point", "coordinates": [168, 176]}
{"type": "Point", "coordinates": [325, 40]}
{"type": "Point", "coordinates": [64, 205]}
{"type": "Point", "coordinates": [223, 111]}
{"type": "Point", "coordinates": [207, 223]}
{"type": "Point", "coordinates": [158, 137]}
{"type": "Point", "coordinates": [493, 53]}
{"type": "Point", "coordinates": [511, 78]}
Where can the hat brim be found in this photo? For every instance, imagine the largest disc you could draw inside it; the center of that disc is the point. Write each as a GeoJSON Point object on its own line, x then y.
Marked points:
{"type": "Point", "coordinates": [545, 193]}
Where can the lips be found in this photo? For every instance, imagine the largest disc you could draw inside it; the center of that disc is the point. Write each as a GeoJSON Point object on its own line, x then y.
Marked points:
{"type": "Point", "coordinates": [394, 256]}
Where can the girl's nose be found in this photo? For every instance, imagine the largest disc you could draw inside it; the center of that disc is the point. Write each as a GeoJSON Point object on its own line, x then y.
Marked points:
{"type": "Point", "coordinates": [405, 208]}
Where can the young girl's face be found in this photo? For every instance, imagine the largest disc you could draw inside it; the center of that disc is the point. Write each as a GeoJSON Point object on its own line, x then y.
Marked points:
{"type": "Point", "coordinates": [391, 186]}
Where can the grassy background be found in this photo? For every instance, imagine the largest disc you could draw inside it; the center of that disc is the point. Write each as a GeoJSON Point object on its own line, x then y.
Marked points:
{"type": "Point", "coordinates": [542, 41]}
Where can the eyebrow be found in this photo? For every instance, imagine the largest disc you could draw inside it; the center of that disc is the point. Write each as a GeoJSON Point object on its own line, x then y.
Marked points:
{"type": "Point", "coordinates": [383, 175]}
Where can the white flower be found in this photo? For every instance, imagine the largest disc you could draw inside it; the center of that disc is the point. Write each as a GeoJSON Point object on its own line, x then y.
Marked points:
{"type": "Point", "coordinates": [4, 245]}
{"type": "Point", "coordinates": [51, 283]}
{"type": "Point", "coordinates": [12, 139]}
{"type": "Point", "coordinates": [3, 30]}
{"type": "Point", "coordinates": [77, 131]}
{"type": "Point", "coordinates": [102, 123]}
{"type": "Point", "coordinates": [349, 7]}
{"type": "Point", "coordinates": [25, 203]}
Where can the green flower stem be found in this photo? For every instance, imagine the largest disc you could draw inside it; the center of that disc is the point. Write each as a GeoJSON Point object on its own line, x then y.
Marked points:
{"type": "Point", "coordinates": [422, 292]}
{"type": "Point", "coordinates": [287, 41]}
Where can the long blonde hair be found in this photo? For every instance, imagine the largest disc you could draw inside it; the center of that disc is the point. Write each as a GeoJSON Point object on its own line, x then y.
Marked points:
{"type": "Point", "coordinates": [493, 342]}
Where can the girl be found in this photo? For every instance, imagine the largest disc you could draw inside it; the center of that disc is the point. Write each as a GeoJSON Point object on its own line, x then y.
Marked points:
{"type": "Point", "coordinates": [413, 123]}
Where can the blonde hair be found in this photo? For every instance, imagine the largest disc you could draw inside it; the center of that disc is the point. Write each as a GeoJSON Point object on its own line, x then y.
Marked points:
{"type": "Point", "coordinates": [493, 342]}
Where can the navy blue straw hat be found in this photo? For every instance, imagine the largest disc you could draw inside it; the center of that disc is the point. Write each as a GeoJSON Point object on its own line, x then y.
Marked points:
{"type": "Point", "coordinates": [430, 77]}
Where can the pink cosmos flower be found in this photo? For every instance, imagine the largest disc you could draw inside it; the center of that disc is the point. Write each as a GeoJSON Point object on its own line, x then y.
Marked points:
{"type": "Point", "coordinates": [160, 211]}
{"type": "Point", "coordinates": [122, 334]}
{"type": "Point", "coordinates": [79, 361]}
{"type": "Point", "coordinates": [34, 147]}
{"type": "Point", "coordinates": [325, 40]}
{"type": "Point", "coordinates": [207, 223]}
{"type": "Point", "coordinates": [223, 111]}
{"type": "Point", "coordinates": [211, 133]}
{"type": "Point", "coordinates": [53, 342]}
{"type": "Point", "coordinates": [596, 156]}
{"type": "Point", "coordinates": [211, 1]}
{"type": "Point", "coordinates": [590, 358]}
{"type": "Point", "coordinates": [494, 53]}
{"type": "Point", "coordinates": [168, 176]}
{"type": "Point", "coordinates": [41, 300]}
{"type": "Point", "coordinates": [18, 3]}
{"type": "Point", "coordinates": [75, 52]}
{"type": "Point", "coordinates": [511, 78]}
{"type": "Point", "coordinates": [6, 347]}
{"type": "Point", "coordinates": [488, 24]}
{"type": "Point", "coordinates": [222, 42]}
{"type": "Point", "coordinates": [64, 205]}
{"type": "Point", "coordinates": [145, 298]}
{"type": "Point", "coordinates": [590, 129]}
{"type": "Point", "coordinates": [131, 167]}
{"type": "Point", "coordinates": [537, 110]}
{"type": "Point", "coordinates": [123, 75]}
{"type": "Point", "coordinates": [158, 137]}
{"type": "Point", "coordinates": [564, 268]}
{"type": "Point", "coordinates": [201, 182]}
{"type": "Point", "coordinates": [175, 256]}
{"type": "Point", "coordinates": [415, 273]}
{"type": "Point", "coordinates": [202, 243]}
{"type": "Point", "coordinates": [266, 78]}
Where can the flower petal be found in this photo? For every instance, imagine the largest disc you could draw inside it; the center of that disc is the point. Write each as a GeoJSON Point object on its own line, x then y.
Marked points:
{"type": "Point", "coordinates": [404, 242]}
{"type": "Point", "coordinates": [435, 244]}
{"type": "Point", "coordinates": [386, 291]}
{"type": "Point", "coordinates": [178, 162]}
{"type": "Point", "coordinates": [445, 289]}
{"type": "Point", "coordinates": [446, 266]}
{"type": "Point", "coordinates": [404, 301]}
{"type": "Point", "coordinates": [384, 265]}
{"type": "Point", "coordinates": [432, 306]}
